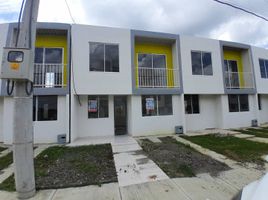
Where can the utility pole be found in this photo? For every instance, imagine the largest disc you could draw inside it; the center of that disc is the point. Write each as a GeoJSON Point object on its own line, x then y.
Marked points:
{"type": "Point", "coordinates": [23, 104]}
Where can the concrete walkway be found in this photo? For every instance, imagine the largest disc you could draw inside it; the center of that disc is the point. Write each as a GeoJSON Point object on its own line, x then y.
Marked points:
{"type": "Point", "coordinates": [132, 166]}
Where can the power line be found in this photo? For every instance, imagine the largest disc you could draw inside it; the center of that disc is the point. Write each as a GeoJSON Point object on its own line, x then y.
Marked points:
{"type": "Point", "coordinates": [69, 10]}
{"type": "Point", "coordinates": [242, 9]}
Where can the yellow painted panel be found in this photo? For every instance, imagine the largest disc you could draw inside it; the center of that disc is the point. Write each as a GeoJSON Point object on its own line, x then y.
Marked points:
{"type": "Point", "coordinates": [236, 55]}
{"type": "Point", "coordinates": [152, 48]}
{"type": "Point", "coordinates": [56, 41]}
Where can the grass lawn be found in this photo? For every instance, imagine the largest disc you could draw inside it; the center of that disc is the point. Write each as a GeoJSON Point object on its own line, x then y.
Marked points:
{"type": "Point", "coordinates": [6, 160]}
{"type": "Point", "coordinates": [256, 132]}
{"type": "Point", "coordinates": [235, 148]}
{"type": "Point", "coordinates": [2, 149]}
{"type": "Point", "coordinates": [179, 160]}
{"type": "Point", "coordinates": [61, 167]}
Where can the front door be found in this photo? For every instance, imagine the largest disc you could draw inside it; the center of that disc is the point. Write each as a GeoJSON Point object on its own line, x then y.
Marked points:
{"type": "Point", "coordinates": [120, 115]}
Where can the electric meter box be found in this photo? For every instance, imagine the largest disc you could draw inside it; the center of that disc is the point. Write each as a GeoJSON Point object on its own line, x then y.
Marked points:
{"type": "Point", "coordinates": [17, 64]}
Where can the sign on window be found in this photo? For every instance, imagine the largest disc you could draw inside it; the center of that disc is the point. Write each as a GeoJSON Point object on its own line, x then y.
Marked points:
{"type": "Point", "coordinates": [149, 103]}
{"type": "Point", "coordinates": [92, 106]}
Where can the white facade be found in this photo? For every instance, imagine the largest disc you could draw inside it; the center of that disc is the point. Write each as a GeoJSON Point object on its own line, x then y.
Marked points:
{"type": "Point", "coordinates": [201, 84]}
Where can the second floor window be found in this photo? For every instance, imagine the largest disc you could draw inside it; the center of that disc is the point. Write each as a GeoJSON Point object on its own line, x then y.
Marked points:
{"type": "Point", "coordinates": [48, 55]}
{"type": "Point", "coordinates": [264, 68]}
{"type": "Point", "coordinates": [103, 57]}
{"type": "Point", "coordinates": [201, 63]}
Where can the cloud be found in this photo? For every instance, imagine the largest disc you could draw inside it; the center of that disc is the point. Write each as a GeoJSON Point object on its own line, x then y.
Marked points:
{"type": "Point", "coordinates": [191, 17]}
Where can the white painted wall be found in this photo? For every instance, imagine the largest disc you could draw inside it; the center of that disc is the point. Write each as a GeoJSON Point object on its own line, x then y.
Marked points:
{"type": "Point", "coordinates": [8, 111]}
{"type": "Point", "coordinates": [209, 116]}
{"type": "Point", "coordinates": [47, 131]}
{"type": "Point", "coordinates": [263, 113]}
{"type": "Point", "coordinates": [262, 83]}
{"type": "Point", "coordinates": [86, 127]}
{"type": "Point", "coordinates": [200, 84]}
{"type": "Point", "coordinates": [3, 38]}
{"type": "Point", "coordinates": [153, 125]}
{"type": "Point", "coordinates": [88, 82]}
{"type": "Point", "coordinates": [238, 119]}
{"type": "Point", "coordinates": [1, 118]}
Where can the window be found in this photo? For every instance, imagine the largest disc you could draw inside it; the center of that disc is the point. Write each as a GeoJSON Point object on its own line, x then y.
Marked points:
{"type": "Point", "coordinates": [259, 102]}
{"type": "Point", "coordinates": [151, 61]}
{"type": "Point", "coordinates": [238, 103]}
{"type": "Point", "coordinates": [231, 74]}
{"type": "Point", "coordinates": [48, 55]}
{"type": "Point", "coordinates": [153, 105]}
{"type": "Point", "coordinates": [191, 104]}
{"type": "Point", "coordinates": [264, 68]}
{"type": "Point", "coordinates": [98, 107]}
{"type": "Point", "coordinates": [103, 57]}
{"type": "Point", "coordinates": [201, 63]}
{"type": "Point", "coordinates": [45, 108]}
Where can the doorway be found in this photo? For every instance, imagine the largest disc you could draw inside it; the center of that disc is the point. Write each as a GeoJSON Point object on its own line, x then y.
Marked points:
{"type": "Point", "coordinates": [120, 115]}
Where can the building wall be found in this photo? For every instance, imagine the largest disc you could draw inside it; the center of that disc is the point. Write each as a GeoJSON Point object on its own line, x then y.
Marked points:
{"type": "Point", "coordinates": [1, 118]}
{"type": "Point", "coordinates": [209, 116]}
{"type": "Point", "coordinates": [153, 125]}
{"type": "Point", "coordinates": [261, 83]}
{"type": "Point", "coordinates": [238, 119]}
{"type": "Point", "coordinates": [3, 38]}
{"type": "Point", "coordinates": [93, 127]}
{"type": "Point", "coordinates": [47, 131]}
{"type": "Point", "coordinates": [90, 82]}
{"type": "Point", "coordinates": [263, 113]}
{"type": "Point", "coordinates": [200, 84]}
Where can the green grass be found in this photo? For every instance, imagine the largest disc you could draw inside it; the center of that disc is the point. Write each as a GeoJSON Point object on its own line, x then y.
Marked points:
{"type": "Point", "coordinates": [235, 148]}
{"type": "Point", "coordinates": [2, 149]}
{"type": "Point", "coordinates": [256, 132]}
{"type": "Point", "coordinates": [6, 160]}
{"type": "Point", "coordinates": [8, 184]}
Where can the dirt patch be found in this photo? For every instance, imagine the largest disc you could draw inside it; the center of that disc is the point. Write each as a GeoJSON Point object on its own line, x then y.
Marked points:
{"type": "Point", "coordinates": [179, 160]}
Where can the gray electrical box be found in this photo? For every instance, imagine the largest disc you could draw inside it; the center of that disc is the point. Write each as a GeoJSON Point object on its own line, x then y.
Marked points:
{"type": "Point", "coordinates": [61, 139]}
{"type": "Point", "coordinates": [254, 123]}
{"type": "Point", "coordinates": [178, 129]}
{"type": "Point", "coordinates": [17, 64]}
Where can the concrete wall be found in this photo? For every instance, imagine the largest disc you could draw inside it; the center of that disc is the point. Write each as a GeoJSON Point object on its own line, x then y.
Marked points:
{"type": "Point", "coordinates": [8, 120]}
{"type": "Point", "coordinates": [3, 38]}
{"type": "Point", "coordinates": [153, 125]}
{"type": "Point", "coordinates": [262, 83]}
{"type": "Point", "coordinates": [1, 118]}
{"type": "Point", "coordinates": [206, 84]}
{"type": "Point", "coordinates": [89, 82]}
{"type": "Point", "coordinates": [238, 119]}
{"type": "Point", "coordinates": [209, 116]}
{"type": "Point", "coordinates": [47, 131]}
{"type": "Point", "coordinates": [86, 127]}
{"type": "Point", "coordinates": [263, 113]}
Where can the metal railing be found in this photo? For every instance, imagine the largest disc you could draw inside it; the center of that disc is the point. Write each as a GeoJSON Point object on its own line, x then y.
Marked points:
{"type": "Point", "coordinates": [239, 80]}
{"type": "Point", "coordinates": [49, 75]}
{"type": "Point", "coordinates": [158, 78]}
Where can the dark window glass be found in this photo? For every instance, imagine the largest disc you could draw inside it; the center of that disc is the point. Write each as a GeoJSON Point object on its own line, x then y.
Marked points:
{"type": "Point", "coordinates": [232, 76]}
{"type": "Point", "coordinates": [233, 103]}
{"type": "Point", "coordinates": [53, 55]}
{"type": "Point", "coordinates": [98, 107]}
{"type": "Point", "coordinates": [207, 63]}
{"type": "Point", "coordinates": [262, 68]}
{"type": "Point", "coordinates": [47, 108]}
{"type": "Point", "coordinates": [159, 61]}
{"type": "Point", "coordinates": [191, 104]}
{"type": "Point", "coordinates": [165, 105]}
{"type": "Point", "coordinates": [111, 58]}
{"type": "Point", "coordinates": [96, 57]}
{"type": "Point", "coordinates": [149, 105]}
{"type": "Point", "coordinates": [38, 55]}
{"type": "Point", "coordinates": [266, 68]}
{"type": "Point", "coordinates": [196, 63]}
{"type": "Point", "coordinates": [145, 60]}
{"type": "Point", "coordinates": [34, 108]}
{"type": "Point", "coordinates": [243, 100]}
{"type": "Point", "coordinates": [259, 102]}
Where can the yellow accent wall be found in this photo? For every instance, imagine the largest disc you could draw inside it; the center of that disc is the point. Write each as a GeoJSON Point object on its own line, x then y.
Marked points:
{"type": "Point", "coordinates": [236, 55]}
{"type": "Point", "coordinates": [57, 41]}
{"type": "Point", "coordinates": [152, 48]}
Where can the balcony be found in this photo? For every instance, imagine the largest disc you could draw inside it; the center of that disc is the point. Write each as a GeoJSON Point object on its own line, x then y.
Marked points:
{"type": "Point", "coordinates": [239, 80]}
{"type": "Point", "coordinates": [49, 75]}
{"type": "Point", "coordinates": [157, 78]}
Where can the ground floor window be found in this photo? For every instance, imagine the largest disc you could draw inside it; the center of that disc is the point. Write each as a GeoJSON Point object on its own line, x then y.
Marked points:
{"type": "Point", "coordinates": [45, 108]}
{"type": "Point", "coordinates": [153, 105]}
{"type": "Point", "coordinates": [98, 106]}
{"type": "Point", "coordinates": [238, 102]}
{"type": "Point", "coordinates": [191, 103]}
{"type": "Point", "coordinates": [259, 102]}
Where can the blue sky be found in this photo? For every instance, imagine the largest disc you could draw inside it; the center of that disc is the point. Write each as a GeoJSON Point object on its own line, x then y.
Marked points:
{"type": "Point", "coordinates": [203, 18]}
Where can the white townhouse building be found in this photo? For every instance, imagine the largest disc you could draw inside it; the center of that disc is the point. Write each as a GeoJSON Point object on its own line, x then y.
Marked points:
{"type": "Point", "coordinates": [102, 81]}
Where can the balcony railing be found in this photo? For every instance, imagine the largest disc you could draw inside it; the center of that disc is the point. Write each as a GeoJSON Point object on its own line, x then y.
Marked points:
{"type": "Point", "coordinates": [49, 75]}
{"type": "Point", "coordinates": [239, 80]}
{"type": "Point", "coordinates": [158, 78]}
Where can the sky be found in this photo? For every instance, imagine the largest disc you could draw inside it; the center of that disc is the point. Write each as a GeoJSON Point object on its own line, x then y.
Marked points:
{"type": "Point", "coordinates": [202, 18]}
